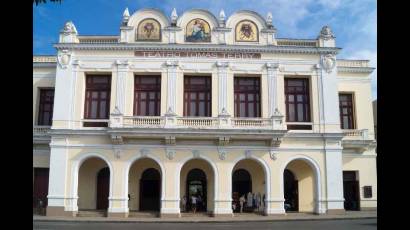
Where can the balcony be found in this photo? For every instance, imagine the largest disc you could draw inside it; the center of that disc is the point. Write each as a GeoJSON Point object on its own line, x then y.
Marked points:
{"type": "Point", "coordinates": [41, 135]}
{"type": "Point", "coordinates": [171, 126]}
{"type": "Point", "coordinates": [357, 139]}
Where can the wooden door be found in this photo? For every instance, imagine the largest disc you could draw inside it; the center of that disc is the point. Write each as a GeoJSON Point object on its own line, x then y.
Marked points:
{"type": "Point", "coordinates": [40, 187]}
{"type": "Point", "coordinates": [103, 188]}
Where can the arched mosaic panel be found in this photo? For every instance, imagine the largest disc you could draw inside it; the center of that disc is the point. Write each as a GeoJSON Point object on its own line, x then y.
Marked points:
{"type": "Point", "coordinates": [198, 30]}
{"type": "Point", "coordinates": [246, 31]}
{"type": "Point", "coordinates": [149, 30]}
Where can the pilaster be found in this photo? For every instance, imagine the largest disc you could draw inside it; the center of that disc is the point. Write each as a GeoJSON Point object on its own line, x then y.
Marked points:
{"type": "Point", "coordinates": [222, 87]}
{"type": "Point", "coordinates": [272, 69]}
{"type": "Point", "coordinates": [122, 71]}
{"type": "Point", "coordinates": [172, 81]}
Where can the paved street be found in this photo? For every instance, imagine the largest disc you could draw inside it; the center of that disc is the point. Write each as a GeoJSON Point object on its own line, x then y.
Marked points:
{"type": "Point", "coordinates": [360, 224]}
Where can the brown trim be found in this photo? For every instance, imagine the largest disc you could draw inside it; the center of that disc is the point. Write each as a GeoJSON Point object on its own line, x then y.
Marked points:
{"type": "Point", "coordinates": [95, 88]}
{"type": "Point", "coordinates": [296, 92]}
{"type": "Point", "coordinates": [145, 89]}
{"type": "Point", "coordinates": [257, 28]}
{"type": "Point", "coordinates": [46, 97]}
{"type": "Point", "coordinates": [346, 101]}
{"type": "Point", "coordinates": [192, 93]}
{"type": "Point", "coordinates": [245, 90]}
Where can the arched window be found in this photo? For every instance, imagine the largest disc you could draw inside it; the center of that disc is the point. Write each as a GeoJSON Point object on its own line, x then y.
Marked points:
{"type": "Point", "coordinates": [246, 31]}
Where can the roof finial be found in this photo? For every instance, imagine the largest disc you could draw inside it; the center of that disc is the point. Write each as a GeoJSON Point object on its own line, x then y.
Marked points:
{"type": "Point", "coordinates": [174, 17]}
{"type": "Point", "coordinates": [269, 20]}
{"type": "Point", "coordinates": [69, 27]}
{"type": "Point", "coordinates": [326, 33]}
{"type": "Point", "coordinates": [125, 16]}
{"type": "Point", "coordinates": [222, 18]}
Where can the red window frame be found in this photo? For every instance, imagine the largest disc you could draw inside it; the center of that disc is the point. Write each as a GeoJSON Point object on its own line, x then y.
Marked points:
{"type": "Point", "coordinates": [247, 93]}
{"type": "Point", "coordinates": [46, 104]}
{"type": "Point", "coordinates": [346, 109]}
{"type": "Point", "coordinates": [197, 96]}
{"type": "Point", "coordinates": [147, 94]}
{"type": "Point", "coordinates": [297, 98]}
{"type": "Point", "coordinates": [97, 90]}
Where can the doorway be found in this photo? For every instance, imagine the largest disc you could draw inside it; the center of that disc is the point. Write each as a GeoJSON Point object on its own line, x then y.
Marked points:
{"type": "Point", "coordinates": [103, 188]}
{"type": "Point", "coordinates": [150, 190]}
{"type": "Point", "coordinates": [196, 184]}
{"type": "Point", "coordinates": [351, 191]}
{"type": "Point", "coordinates": [40, 187]}
{"type": "Point", "coordinates": [291, 192]}
{"type": "Point", "coordinates": [241, 185]}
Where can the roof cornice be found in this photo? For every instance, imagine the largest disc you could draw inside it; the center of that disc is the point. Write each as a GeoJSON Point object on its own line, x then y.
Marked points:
{"type": "Point", "coordinates": [198, 47]}
{"type": "Point", "coordinates": [355, 69]}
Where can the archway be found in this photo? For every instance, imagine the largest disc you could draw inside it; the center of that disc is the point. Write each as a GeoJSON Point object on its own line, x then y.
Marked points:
{"type": "Point", "coordinates": [150, 190]}
{"type": "Point", "coordinates": [93, 184]}
{"type": "Point", "coordinates": [300, 186]}
{"type": "Point", "coordinates": [144, 185]}
{"type": "Point", "coordinates": [290, 191]}
{"type": "Point", "coordinates": [197, 179]}
{"type": "Point", "coordinates": [249, 181]}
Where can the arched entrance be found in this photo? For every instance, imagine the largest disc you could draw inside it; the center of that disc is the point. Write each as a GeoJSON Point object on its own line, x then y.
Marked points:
{"type": "Point", "coordinates": [197, 177]}
{"type": "Point", "coordinates": [144, 185]}
{"type": "Point", "coordinates": [290, 188]}
{"type": "Point", "coordinates": [300, 186]}
{"type": "Point", "coordinates": [196, 186]}
{"type": "Point", "coordinates": [248, 180]}
{"type": "Point", "coordinates": [150, 190]}
{"type": "Point", "coordinates": [93, 185]}
{"type": "Point", "coordinates": [103, 188]}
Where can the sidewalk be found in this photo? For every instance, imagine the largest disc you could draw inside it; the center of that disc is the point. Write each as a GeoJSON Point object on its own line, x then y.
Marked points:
{"type": "Point", "coordinates": [236, 218]}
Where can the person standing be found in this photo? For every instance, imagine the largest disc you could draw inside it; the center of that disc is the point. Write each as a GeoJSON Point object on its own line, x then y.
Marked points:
{"type": "Point", "coordinates": [184, 203]}
{"type": "Point", "coordinates": [193, 202]}
{"type": "Point", "coordinates": [242, 200]}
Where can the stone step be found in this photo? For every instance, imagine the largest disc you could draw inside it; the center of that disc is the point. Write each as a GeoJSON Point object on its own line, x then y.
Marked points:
{"type": "Point", "coordinates": [191, 214]}
{"type": "Point", "coordinates": [94, 213]}
{"type": "Point", "coordinates": [143, 214]}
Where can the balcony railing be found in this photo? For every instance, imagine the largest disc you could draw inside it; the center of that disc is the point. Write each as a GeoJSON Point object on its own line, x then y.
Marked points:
{"type": "Point", "coordinates": [223, 122]}
{"type": "Point", "coordinates": [356, 134]}
{"type": "Point", "coordinates": [41, 130]}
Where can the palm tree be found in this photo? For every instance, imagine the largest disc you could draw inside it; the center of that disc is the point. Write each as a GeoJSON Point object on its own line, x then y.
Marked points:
{"type": "Point", "coordinates": [45, 1]}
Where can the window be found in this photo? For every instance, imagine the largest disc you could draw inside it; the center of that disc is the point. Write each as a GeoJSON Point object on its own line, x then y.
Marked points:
{"type": "Point", "coordinates": [147, 95]}
{"type": "Point", "coordinates": [247, 97]}
{"type": "Point", "coordinates": [97, 99]}
{"type": "Point", "coordinates": [197, 96]}
{"type": "Point", "coordinates": [367, 192]}
{"type": "Point", "coordinates": [297, 102]}
{"type": "Point", "coordinates": [346, 111]}
{"type": "Point", "coordinates": [45, 112]}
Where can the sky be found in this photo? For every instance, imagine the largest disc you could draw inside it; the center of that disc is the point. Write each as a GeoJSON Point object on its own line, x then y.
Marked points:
{"type": "Point", "coordinates": [353, 22]}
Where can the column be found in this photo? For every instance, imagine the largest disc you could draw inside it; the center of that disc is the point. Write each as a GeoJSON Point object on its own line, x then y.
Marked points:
{"type": "Point", "coordinates": [66, 75]}
{"type": "Point", "coordinates": [122, 71]}
{"type": "Point", "coordinates": [334, 177]}
{"type": "Point", "coordinates": [57, 181]}
{"type": "Point", "coordinates": [328, 94]}
{"type": "Point", "coordinates": [171, 90]}
{"type": "Point", "coordinates": [222, 87]}
{"type": "Point", "coordinates": [118, 198]}
{"type": "Point", "coordinates": [272, 69]}
{"type": "Point", "coordinates": [170, 197]}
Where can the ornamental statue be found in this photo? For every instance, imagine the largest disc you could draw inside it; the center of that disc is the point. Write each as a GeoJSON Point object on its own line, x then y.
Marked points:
{"type": "Point", "coordinates": [69, 28]}
{"type": "Point", "coordinates": [326, 33]}
{"type": "Point", "coordinates": [328, 63]}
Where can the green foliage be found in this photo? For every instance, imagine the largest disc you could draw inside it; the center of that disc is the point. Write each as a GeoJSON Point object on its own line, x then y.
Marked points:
{"type": "Point", "coordinates": [45, 1]}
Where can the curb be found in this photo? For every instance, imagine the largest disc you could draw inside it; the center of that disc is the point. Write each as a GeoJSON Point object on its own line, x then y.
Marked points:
{"type": "Point", "coordinates": [201, 221]}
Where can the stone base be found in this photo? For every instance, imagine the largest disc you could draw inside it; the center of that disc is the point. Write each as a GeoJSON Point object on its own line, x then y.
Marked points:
{"type": "Point", "coordinates": [170, 215]}
{"type": "Point", "coordinates": [335, 211]}
{"type": "Point", "coordinates": [59, 211]}
{"type": "Point", "coordinates": [275, 214]}
{"type": "Point", "coordinates": [368, 209]}
{"type": "Point", "coordinates": [117, 214]}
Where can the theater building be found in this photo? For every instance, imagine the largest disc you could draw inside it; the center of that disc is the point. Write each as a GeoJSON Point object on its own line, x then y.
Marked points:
{"type": "Point", "coordinates": [194, 104]}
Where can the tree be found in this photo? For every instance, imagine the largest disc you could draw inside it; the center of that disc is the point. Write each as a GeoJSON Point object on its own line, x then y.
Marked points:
{"type": "Point", "coordinates": [45, 1]}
